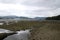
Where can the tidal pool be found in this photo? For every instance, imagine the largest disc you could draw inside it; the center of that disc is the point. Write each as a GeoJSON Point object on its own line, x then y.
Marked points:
{"type": "Point", "coordinates": [21, 35]}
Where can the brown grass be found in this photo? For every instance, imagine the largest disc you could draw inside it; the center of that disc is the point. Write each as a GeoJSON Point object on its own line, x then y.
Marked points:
{"type": "Point", "coordinates": [49, 31]}
{"type": "Point", "coordinates": [42, 30]}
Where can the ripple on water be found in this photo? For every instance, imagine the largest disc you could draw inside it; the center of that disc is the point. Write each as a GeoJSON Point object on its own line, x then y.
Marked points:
{"type": "Point", "coordinates": [21, 35]}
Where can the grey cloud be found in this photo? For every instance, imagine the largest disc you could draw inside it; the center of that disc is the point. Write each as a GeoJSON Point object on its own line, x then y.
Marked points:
{"type": "Point", "coordinates": [54, 4]}
{"type": "Point", "coordinates": [49, 3]}
{"type": "Point", "coordinates": [44, 12]}
{"type": "Point", "coordinates": [31, 12]}
{"type": "Point", "coordinates": [7, 1]}
{"type": "Point", "coordinates": [12, 1]}
{"type": "Point", "coordinates": [4, 13]}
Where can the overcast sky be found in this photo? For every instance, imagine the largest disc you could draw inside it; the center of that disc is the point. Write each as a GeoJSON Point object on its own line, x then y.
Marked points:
{"type": "Point", "coordinates": [30, 8]}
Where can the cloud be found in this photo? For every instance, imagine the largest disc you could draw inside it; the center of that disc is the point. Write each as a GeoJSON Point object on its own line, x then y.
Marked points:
{"type": "Point", "coordinates": [12, 1]}
{"type": "Point", "coordinates": [4, 13]}
{"type": "Point", "coordinates": [48, 3]}
{"type": "Point", "coordinates": [4, 6]}
{"type": "Point", "coordinates": [30, 8]}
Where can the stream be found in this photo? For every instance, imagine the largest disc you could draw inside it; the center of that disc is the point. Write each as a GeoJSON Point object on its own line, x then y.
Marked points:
{"type": "Point", "coordinates": [20, 35]}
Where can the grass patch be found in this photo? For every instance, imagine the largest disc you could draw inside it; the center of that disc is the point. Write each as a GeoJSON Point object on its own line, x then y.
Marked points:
{"type": "Point", "coordinates": [42, 30]}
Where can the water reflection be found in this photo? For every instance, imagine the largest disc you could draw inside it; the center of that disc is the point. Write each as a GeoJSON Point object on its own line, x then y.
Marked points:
{"type": "Point", "coordinates": [5, 31]}
{"type": "Point", "coordinates": [21, 35]}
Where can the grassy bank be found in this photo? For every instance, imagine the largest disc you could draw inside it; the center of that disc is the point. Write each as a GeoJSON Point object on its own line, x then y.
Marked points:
{"type": "Point", "coordinates": [42, 30]}
{"type": "Point", "coordinates": [50, 30]}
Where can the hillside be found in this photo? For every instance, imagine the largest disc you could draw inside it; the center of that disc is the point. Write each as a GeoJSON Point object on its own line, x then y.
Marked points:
{"type": "Point", "coordinates": [53, 18]}
{"type": "Point", "coordinates": [13, 17]}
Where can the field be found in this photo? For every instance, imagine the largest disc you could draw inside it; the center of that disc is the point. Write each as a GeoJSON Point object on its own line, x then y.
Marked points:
{"type": "Point", "coordinates": [42, 30]}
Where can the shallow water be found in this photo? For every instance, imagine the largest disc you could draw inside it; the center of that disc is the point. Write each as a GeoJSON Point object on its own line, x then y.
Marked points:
{"type": "Point", "coordinates": [21, 35]}
{"type": "Point", "coordinates": [5, 31]}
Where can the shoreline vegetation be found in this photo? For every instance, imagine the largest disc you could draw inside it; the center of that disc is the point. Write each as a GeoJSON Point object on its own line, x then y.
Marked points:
{"type": "Point", "coordinates": [42, 30]}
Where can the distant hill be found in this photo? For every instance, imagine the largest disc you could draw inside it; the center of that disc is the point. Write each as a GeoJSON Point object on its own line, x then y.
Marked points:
{"type": "Point", "coordinates": [8, 17]}
{"type": "Point", "coordinates": [23, 18]}
{"type": "Point", "coordinates": [40, 18]}
{"type": "Point", "coordinates": [53, 18]}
